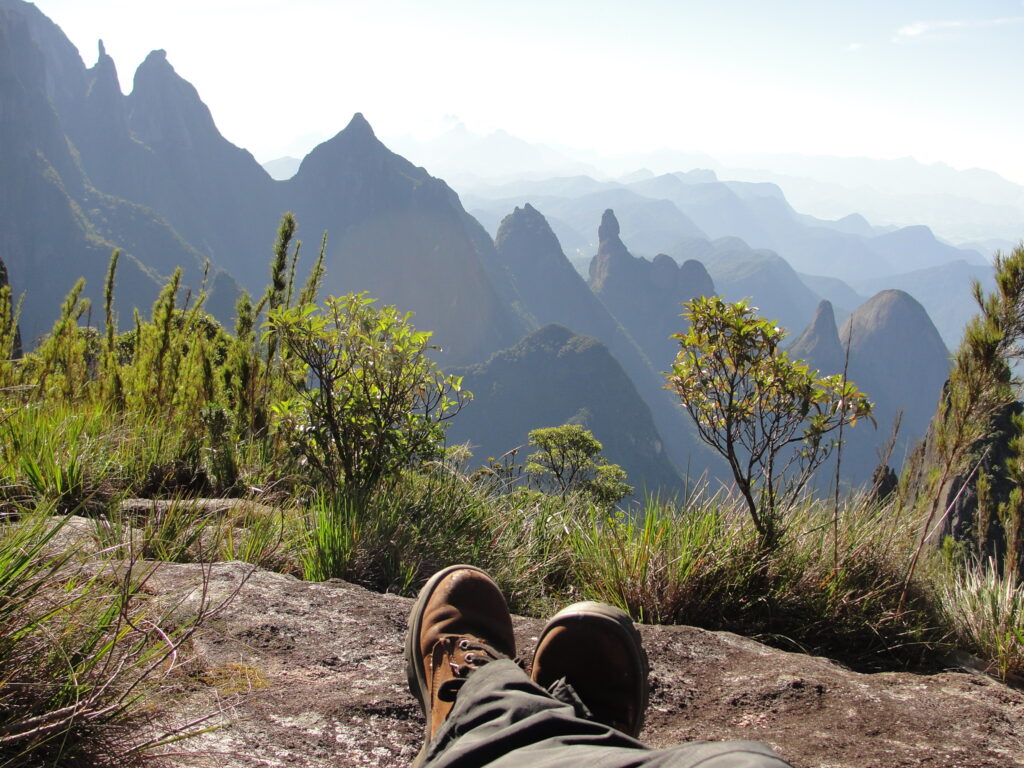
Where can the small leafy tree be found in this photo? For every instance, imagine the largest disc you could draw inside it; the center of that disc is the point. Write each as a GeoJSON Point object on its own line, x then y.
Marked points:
{"type": "Point", "coordinates": [569, 461]}
{"type": "Point", "coordinates": [369, 399]}
{"type": "Point", "coordinates": [769, 416]}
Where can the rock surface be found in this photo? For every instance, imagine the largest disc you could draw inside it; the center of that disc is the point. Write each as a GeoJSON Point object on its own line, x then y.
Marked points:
{"type": "Point", "coordinates": [324, 685]}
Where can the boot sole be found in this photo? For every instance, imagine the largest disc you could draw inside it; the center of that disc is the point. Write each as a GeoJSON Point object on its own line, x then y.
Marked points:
{"type": "Point", "coordinates": [621, 624]}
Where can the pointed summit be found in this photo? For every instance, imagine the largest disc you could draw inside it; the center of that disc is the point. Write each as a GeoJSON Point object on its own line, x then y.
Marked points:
{"type": "Point", "coordinates": [354, 147]}
{"type": "Point", "coordinates": [526, 243]}
{"type": "Point", "coordinates": [609, 228]}
{"type": "Point", "coordinates": [163, 107]}
{"type": "Point", "coordinates": [403, 235]}
{"type": "Point", "coordinates": [359, 126]}
{"type": "Point", "coordinates": [819, 344]}
{"type": "Point", "coordinates": [103, 89]}
{"type": "Point", "coordinates": [612, 257]}
{"type": "Point", "coordinates": [645, 296]}
{"type": "Point", "coordinates": [551, 290]}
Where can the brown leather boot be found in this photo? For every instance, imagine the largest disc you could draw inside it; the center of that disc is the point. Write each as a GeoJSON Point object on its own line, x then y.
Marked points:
{"type": "Point", "coordinates": [595, 648]}
{"type": "Point", "coordinates": [460, 621]}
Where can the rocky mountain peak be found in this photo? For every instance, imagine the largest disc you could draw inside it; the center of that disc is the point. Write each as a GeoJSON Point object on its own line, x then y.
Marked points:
{"type": "Point", "coordinates": [354, 146]}
{"type": "Point", "coordinates": [898, 358]}
{"type": "Point", "coordinates": [819, 343]}
{"type": "Point", "coordinates": [890, 314]}
{"type": "Point", "coordinates": [609, 228]}
{"type": "Point", "coordinates": [359, 126]}
{"type": "Point", "coordinates": [525, 236]}
{"type": "Point", "coordinates": [164, 107]}
{"type": "Point", "coordinates": [103, 84]}
{"type": "Point", "coordinates": [695, 279]}
{"type": "Point", "coordinates": [155, 59]}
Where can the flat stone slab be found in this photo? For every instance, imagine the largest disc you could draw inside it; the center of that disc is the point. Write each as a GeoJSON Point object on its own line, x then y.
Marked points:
{"type": "Point", "coordinates": [312, 674]}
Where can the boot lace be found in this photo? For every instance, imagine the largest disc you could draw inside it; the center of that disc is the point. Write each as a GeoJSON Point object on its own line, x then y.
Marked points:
{"type": "Point", "coordinates": [463, 655]}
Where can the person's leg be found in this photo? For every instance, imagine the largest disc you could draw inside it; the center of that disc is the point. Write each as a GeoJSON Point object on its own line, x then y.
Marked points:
{"type": "Point", "coordinates": [481, 709]}
{"type": "Point", "coordinates": [502, 719]}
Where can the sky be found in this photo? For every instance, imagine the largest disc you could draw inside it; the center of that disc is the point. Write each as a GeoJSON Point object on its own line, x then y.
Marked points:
{"type": "Point", "coordinates": [937, 81]}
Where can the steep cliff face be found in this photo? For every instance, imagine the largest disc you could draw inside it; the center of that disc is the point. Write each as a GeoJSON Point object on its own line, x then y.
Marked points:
{"type": "Point", "coordinates": [97, 123]}
{"type": "Point", "coordinates": [47, 239]}
{"type": "Point", "coordinates": [151, 173]}
{"type": "Point", "coordinates": [553, 377]}
{"type": "Point", "coordinates": [211, 191]}
{"type": "Point", "coordinates": [645, 296]}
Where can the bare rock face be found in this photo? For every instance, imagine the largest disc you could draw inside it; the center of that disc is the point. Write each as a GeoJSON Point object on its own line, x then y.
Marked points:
{"type": "Point", "coordinates": [324, 685]}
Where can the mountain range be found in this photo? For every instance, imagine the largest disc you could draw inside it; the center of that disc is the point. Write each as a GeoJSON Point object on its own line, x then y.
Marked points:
{"type": "Point", "coordinates": [88, 169]}
{"type": "Point", "coordinates": [963, 206]}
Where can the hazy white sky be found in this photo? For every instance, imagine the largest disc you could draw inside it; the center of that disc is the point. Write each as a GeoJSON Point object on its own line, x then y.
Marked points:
{"type": "Point", "coordinates": [936, 80]}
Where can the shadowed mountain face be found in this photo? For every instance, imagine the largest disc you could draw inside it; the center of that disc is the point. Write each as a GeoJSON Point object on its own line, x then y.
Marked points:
{"type": "Point", "coordinates": [55, 225]}
{"type": "Point", "coordinates": [401, 234]}
{"type": "Point", "coordinates": [645, 296]}
{"type": "Point", "coordinates": [896, 356]}
{"type": "Point", "coordinates": [900, 353]}
{"type": "Point", "coordinates": [553, 377]}
{"type": "Point", "coordinates": [159, 147]}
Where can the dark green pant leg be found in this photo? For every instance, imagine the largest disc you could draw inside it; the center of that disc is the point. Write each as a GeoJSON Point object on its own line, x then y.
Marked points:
{"type": "Point", "coordinates": [502, 720]}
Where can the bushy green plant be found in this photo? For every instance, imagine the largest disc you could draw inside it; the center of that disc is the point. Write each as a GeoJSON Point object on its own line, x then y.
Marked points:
{"type": "Point", "coordinates": [980, 387]}
{"type": "Point", "coordinates": [373, 401]}
{"type": "Point", "coordinates": [986, 612]}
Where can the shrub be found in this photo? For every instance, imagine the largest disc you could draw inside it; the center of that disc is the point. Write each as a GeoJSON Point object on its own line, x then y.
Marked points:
{"type": "Point", "coordinates": [769, 416]}
{"type": "Point", "coordinates": [369, 401]}
{"type": "Point", "coordinates": [569, 461]}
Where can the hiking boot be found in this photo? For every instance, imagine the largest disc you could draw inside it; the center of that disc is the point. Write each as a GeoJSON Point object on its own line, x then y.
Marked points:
{"type": "Point", "coordinates": [595, 648]}
{"type": "Point", "coordinates": [460, 621]}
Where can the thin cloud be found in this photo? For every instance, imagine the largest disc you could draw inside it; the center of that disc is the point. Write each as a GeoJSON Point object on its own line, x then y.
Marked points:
{"type": "Point", "coordinates": [920, 30]}
{"type": "Point", "coordinates": [854, 47]}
